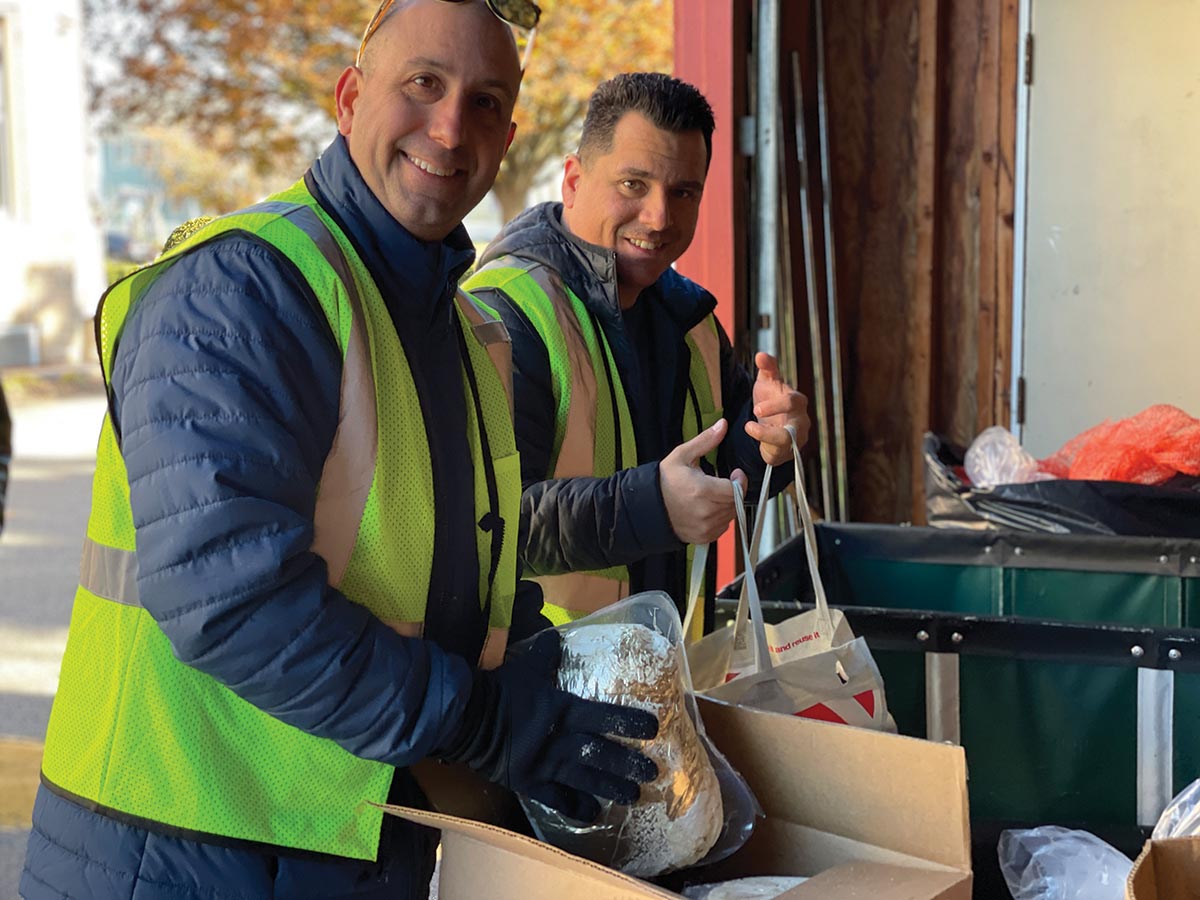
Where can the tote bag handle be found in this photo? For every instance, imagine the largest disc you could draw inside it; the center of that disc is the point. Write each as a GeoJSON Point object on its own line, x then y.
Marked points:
{"type": "Point", "coordinates": [700, 557]}
{"type": "Point", "coordinates": [748, 600]}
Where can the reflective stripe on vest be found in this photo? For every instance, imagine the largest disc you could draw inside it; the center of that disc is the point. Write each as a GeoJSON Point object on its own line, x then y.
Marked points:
{"type": "Point", "coordinates": [588, 396]}
{"type": "Point", "coordinates": [133, 730]}
{"type": "Point", "coordinates": [111, 573]}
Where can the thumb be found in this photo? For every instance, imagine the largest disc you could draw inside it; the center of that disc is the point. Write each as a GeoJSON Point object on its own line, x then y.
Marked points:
{"type": "Point", "coordinates": [740, 477]}
{"type": "Point", "coordinates": [544, 654]}
{"type": "Point", "coordinates": [690, 452]}
{"type": "Point", "coordinates": [768, 366]}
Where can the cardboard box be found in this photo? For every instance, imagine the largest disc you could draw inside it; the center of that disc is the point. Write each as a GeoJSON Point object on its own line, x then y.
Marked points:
{"type": "Point", "coordinates": [1167, 869]}
{"type": "Point", "coordinates": [866, 815]}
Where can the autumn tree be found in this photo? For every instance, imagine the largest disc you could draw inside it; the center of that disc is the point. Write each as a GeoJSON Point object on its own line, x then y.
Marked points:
{"type": "Point", "coordinates": [580, 43]}
{"type": "Point", "coordinates": [252, 80]}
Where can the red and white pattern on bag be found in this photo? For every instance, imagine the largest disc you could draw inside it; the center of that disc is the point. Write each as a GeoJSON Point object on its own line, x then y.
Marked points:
{"type": "Point", "coordinates": [859, 711]}
{"type": "Point", "coordinates": [795, 642]}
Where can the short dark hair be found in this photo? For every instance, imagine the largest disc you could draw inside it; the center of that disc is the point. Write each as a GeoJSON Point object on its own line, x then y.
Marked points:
{"type": "Point", "coordinates": [669, 104]}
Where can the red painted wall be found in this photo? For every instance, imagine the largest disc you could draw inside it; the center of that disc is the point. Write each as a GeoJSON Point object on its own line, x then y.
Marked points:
{"type": "Point", "coordinates": [704, 56]}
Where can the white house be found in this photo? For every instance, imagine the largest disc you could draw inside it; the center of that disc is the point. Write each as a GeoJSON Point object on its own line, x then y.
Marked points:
{"type": "Point", "coordinates": [51, 257]}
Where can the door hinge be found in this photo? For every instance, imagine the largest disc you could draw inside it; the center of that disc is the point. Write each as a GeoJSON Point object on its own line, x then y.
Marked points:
{"type": "Point", "coordinates": [747, 135]}
{"type": "Point", "coordinates": [1021, 400]}
{"type": "Point", "coordinates": [1029, 57]}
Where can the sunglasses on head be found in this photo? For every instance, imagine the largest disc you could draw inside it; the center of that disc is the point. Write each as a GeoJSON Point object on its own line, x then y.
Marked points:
{"type": "Point", "coordinates": [524, 14]}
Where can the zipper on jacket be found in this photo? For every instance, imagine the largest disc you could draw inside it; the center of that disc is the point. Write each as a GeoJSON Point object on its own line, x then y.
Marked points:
{"type": "Point", "coordinates": [492, 522]}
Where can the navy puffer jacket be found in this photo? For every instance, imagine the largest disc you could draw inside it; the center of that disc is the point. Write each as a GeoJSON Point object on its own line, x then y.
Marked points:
{"type": "Point", "coordinates": [226, 392]}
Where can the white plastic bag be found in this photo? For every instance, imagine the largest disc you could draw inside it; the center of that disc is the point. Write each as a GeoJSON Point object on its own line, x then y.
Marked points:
{"type": "Point", "coordinates": [1181, 818]}
{"type": "Point", "coordinates": [1054, 863]}
{"type": "Point", "coordinates": [996, 457]}
{"type": "Point", "coordinates": [757, 887]}
{"type": "Point", "coordinates": [810, 665]}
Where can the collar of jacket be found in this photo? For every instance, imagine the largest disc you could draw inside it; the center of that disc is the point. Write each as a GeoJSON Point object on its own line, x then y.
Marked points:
{"type": "Point", "coordinates": [408, 271]}
{"type": "Point", "coordinates": [539, 235]}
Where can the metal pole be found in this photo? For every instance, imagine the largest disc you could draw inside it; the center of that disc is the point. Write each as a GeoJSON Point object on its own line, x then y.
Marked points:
{"type": "Point", "coordinates": [841, 511]}
{"type": "Point", "coordinates": [766, 180]}
{"type": "Point", "coordinates": [1020, 228]}
{"type": "Point", "coordinates": [766, 174]}
{"type": "Point", "coordinates": [814, 307]}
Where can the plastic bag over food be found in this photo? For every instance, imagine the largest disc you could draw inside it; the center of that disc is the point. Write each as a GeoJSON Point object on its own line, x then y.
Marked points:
{"type": "Point", "coordinates": [758, 887]}
{"type": "Point", "coordinates": [1054, 863]}
{"type": "Point", "coordinates": [995, 457]}
{"type": "Point", "coordinates": [699, 810]}
{"type": "Point", "coordinates": [1181, 818]}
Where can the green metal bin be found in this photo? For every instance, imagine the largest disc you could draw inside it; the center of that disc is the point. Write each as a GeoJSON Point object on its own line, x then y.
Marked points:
{"type": "Point", "coordinates": [1067, 666]}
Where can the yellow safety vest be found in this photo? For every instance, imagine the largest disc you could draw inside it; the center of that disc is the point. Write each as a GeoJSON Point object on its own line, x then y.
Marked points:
{"type": "Point", "coordinates": [135, 732]}
{"type": "Point", "coordinates": [593, 434]}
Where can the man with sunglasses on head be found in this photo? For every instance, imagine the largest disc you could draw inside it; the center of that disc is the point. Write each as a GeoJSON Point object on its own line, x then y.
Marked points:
{"type": "Point", "coordinates": [300, 571]}
{"type": "Point", "coordinates": [632, 412]}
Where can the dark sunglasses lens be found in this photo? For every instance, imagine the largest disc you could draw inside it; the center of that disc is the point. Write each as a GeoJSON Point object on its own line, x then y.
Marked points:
{"type": "Point", "coordinates": [522, 13]}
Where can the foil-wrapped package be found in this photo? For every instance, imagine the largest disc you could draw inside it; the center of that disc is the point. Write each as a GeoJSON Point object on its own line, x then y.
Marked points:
{"type": "Point", "coordinates": [678, 816]}
{"type": "Point", "coordinates": [699, 810]}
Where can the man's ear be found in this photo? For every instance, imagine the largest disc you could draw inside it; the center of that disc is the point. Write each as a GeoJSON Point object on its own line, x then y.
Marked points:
{"type": "Point", "coordinates": [572, 172]}
{"type": "Point", "coordinates": [512, 133]}
{"type": "Point", "coordinates": [345, 96]}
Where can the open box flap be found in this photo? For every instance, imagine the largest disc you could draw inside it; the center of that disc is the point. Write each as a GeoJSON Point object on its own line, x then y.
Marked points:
{"type": "Point", "coordinates": [1167, 869]}
{"type": "Point", "coordinates": [898, 793]}
{"type": "Point", "coordinates": [862, 880]}
{"type": "Point", "coordinates": [554, 870]}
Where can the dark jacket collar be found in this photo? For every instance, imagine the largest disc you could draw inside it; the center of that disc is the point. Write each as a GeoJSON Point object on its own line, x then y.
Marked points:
{"type": "Point", "coordinates": [539, 235]}
{"type": "Point", "coordinates": [413, 275]}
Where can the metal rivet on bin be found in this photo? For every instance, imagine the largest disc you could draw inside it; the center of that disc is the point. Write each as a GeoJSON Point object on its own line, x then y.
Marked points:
{"type": "Point", "coordinates": [1137, 651]}
{"type": "Point", "coordinates": [1164, 559]}
{"type": "Point", "coordinates": [837, 542]}
{"type": "Point", "coordinates": [1195, 559]}
{"type": "Point", "coordinates": [956, 638]}
{"type": "Point", "coordinates": [987, 549]}
{"type": "Point", "coordinates": [922, 635]}
{"type": "Point", "coordinates": [1174, 654]}
{"type": "Point", "coordinates": [1017, 551]}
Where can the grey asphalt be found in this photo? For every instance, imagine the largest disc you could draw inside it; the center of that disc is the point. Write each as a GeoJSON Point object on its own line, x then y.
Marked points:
{"type": "Point", "coordinates": [56, 418]}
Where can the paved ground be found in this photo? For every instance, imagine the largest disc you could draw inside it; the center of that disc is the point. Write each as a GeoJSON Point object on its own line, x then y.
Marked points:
{"type": "Point", "coordinates": [56, 417]}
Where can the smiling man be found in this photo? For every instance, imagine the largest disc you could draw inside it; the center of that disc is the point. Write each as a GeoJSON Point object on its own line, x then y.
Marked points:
{"type": "Point", "coordinates": [300, 573]}
{"type": "Point", "coordinates": [632, 413]}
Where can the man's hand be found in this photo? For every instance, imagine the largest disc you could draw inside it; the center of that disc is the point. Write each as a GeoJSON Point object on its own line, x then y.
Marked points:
{"type": "Point", "coordinates": [699, 506]}
{"type": "Point", "coordinates": [776, 405]}
{"type": "Point", "coordinates": [521, 731]}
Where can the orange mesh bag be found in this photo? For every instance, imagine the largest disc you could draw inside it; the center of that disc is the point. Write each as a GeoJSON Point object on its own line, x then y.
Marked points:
{"type": "Point", "coordinates": [1149, 448]}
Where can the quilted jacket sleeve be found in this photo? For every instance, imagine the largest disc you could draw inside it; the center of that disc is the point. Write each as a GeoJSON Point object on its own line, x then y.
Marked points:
{"type": "Point", "coordinates": [574, 524]}
{"type": "Point", "coordinates": [226, 381]}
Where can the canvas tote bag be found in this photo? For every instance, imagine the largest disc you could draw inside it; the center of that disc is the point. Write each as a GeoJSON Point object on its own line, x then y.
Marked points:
{"type": "Point", "coordinates": [810, 665]}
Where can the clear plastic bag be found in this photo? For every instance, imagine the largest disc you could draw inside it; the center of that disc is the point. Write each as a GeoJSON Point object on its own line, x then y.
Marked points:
{"type": "Point", "coordinates": [996, 457]}
{"type": "Point", "coordinates": [1055, 863]}
{"type": "Point", "coordinates": [1181, 818]}
{"type": "Point", "coordinates": [612, 839]}
{"type": "Point", "coordinates": [764, 887]}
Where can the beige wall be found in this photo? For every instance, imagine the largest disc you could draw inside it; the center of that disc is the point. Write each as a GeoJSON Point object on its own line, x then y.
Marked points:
{"type": "Point", "coordinates": [51, 270]}
{"type": "Point", "coordinates": [1112, 275]}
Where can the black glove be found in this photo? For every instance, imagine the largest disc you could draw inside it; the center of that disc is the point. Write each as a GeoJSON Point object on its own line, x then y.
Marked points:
{"type": "Point", "coordinates": [521, 731]}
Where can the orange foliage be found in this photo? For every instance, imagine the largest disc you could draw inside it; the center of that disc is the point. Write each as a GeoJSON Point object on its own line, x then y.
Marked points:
{"type": "Point", "coordinates": [253, 79]}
